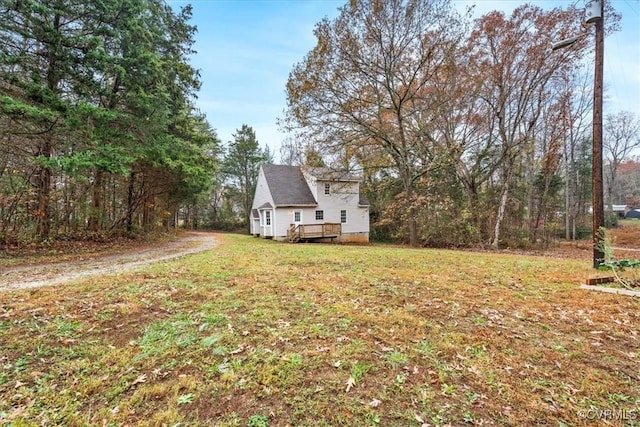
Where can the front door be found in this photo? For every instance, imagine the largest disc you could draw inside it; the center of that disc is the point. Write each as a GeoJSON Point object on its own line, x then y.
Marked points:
{"type": "Point", "coordinates": [297, 217]}
{"type": "Point", "coordinates": [267, 223]}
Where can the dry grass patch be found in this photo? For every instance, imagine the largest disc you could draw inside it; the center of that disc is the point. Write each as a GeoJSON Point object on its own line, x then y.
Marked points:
{"type": "Point", "coordinates": [262, 333]}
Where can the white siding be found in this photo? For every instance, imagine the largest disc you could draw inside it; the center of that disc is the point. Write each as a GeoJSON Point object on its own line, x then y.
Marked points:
{"type": "Point", "coordinates": [261, 196]}
{"type": "Point", "coordinates": [284, 218]}
{"type": "Point", "coordinates": [343, 196]}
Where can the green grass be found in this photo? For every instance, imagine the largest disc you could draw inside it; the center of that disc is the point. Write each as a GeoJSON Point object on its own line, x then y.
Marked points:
{"type": "Point", "coordinates": [263, 333]}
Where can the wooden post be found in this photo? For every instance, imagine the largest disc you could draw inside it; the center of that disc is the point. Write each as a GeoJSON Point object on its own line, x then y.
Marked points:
{"type": "Point", "coordinates": [597, 188]}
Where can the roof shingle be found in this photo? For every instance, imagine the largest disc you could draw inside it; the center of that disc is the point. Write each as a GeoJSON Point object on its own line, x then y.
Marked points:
{"type": "Point", "coordinates": [288, 186]}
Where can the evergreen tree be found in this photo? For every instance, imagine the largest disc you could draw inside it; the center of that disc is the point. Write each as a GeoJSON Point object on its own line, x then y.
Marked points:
{"type": "Point", "coordinates": [98, 98]}
{"type": "Point", "coordinates": [241, 166]}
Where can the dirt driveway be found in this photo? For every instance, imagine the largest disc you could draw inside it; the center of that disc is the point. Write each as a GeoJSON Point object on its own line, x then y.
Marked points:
{"type": "Point", "coordinates": [43, 274]}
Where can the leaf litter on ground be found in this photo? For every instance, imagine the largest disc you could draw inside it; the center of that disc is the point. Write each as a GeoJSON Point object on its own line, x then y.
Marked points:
{"type": "Point", "coordinates": [446, 337]}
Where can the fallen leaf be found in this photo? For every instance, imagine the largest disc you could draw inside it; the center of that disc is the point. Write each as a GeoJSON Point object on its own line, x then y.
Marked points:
{"type": "Point", "coordinates": [142, 378]}
{"type": "Point", "coordinates": [350, 383]}
{"type": "Point", "coordinates": [383, 347]}
{"type": "Point", "coordinates": [238, 350]}
{"type": "Point", "coordinates": [375, 403]}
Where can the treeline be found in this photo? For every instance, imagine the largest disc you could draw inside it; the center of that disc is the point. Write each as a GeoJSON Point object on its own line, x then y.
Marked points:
{"type": "Point", "coordinates": [98, 130]}
{"type": "Point", "coordinates": [226, 204]}
{"type": "Point", "coordinates": [467, 132]}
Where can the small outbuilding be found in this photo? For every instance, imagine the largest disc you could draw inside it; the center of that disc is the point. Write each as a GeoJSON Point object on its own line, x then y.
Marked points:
{"type": "Point", "coordinates": [298, 203]}
{"type": "Point", "coordinates": [632, 214]}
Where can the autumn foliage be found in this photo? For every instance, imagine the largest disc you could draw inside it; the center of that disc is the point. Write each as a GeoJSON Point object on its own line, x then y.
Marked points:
{"type": "Point", "coordinates": [415, 95]}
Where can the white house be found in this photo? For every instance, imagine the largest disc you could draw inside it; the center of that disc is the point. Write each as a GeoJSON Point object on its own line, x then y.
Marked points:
{"type": "Point", "coordinates": [300, 203]}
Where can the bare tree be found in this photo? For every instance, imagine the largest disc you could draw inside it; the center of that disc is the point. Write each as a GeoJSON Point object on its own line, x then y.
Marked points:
{"type": "Point", "coordinates": [365, 89]}
{"type": "Point", "coordinates": [512, 55]}
{"type": "Point", "coordinates": [576, 122]}
{"type": "Point", "coordinates": [621, 137]}
{"type": "Point", "coordinates": [291, 152]}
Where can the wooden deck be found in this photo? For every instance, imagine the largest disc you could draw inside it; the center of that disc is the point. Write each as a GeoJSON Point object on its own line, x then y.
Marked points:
{"type": "Point", "coordinates": [299, 232]}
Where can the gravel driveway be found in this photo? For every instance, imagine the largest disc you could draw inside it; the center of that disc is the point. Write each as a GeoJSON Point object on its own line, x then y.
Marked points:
{"type": "Point", "coordinates": [32, 276]}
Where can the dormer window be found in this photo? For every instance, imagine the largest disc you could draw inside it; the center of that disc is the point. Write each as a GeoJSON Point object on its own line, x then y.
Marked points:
{"type": "Point", "coordinates": [327, 188]}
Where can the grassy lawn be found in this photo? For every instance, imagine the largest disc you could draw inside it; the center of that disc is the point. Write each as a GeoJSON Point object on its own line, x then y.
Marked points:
{"type": "Point", "coordinates": [258, 333]}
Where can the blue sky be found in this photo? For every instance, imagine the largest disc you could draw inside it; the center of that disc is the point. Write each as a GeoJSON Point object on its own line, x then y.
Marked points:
{"type": "Point", "coordinates": [246, 49]}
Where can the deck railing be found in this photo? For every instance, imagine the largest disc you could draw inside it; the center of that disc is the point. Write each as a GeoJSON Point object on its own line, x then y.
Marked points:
{"type": "Point", "coordinates": [299, 232]}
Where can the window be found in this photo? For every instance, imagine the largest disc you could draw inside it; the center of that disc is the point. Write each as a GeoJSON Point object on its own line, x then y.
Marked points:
{"type": "Point", "coordinates": [343, 217]}
{"type": "Point", "coordinates": [320, 215]}
{"type": "Point", "coordinates": [267, 217]}
{"type": "Point", "coordinates": [327, 188]}
{"type": "Point", "coordinates": [296, 216]}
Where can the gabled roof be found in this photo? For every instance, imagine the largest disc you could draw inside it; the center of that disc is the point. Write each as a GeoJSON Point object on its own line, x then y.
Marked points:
{"type": "Point", "coordinates": [288, 186]}
{"type": "Point", "coordinates": [327, 174]}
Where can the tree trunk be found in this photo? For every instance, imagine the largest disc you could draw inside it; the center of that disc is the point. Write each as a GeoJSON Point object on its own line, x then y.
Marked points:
{"type": "Point", "coordinates": [43, 176]}
{"type": "Point", "coordinates": [148, 216]}
{"type": "Point", "coordinates": [567, 204]}
{"type": "Point", "coordinates": [504, 198]}
{"type": "Point", "coordinates": [96, 206]}
{"type": "Point", "coordinates": [413, 231]}
{"type": "Point", "coordinates": [412, 224]}
{"type": "Point", "coordinates": [196, 213]}
{"type": "Point", "coordinates": [130, 202]}
{"type": "Point", "coordinates": [43, 193]}
{"type": "Point", "coordinates": [501, 209]}
{"type": "Point", "coordinates": [186, 217]}
{"type": "Point", "coordinates": [611, 183]}
{"type": "Point", "coordinates": [533, 212]}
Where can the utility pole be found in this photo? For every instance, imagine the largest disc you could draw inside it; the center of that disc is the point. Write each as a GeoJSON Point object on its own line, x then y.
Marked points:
{"type": "Point", "coordinates": [595, 15]}
{"type": "Point", "coordinates": [597, 188]}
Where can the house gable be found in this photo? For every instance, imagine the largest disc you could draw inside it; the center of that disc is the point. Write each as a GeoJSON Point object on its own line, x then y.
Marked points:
{"type": "Point", "coordinates": [335, 187]}
{"type": "Point", "coordinates": [288, 186]}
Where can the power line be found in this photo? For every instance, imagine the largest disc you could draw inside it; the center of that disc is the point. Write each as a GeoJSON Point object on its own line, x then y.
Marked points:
{"type": "Point", "coordinates": [637, 12]}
